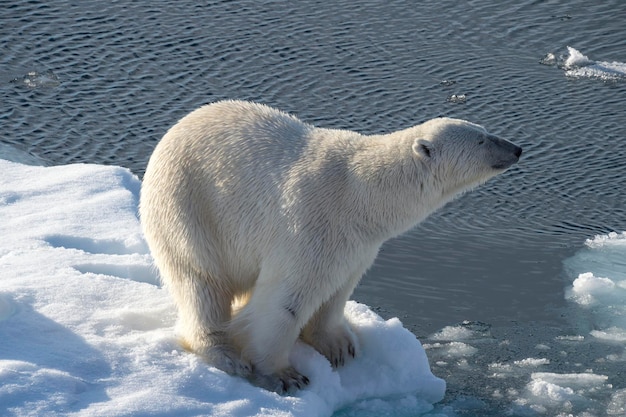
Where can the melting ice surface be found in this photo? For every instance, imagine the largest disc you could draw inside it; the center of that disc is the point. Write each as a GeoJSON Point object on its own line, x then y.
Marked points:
{"type": "Point", "coordinates": [577, 65]}
{"type": "Point", "coordinates": [85, 329]}
{"type": "Point", "coordinates": [532, 372]}
{"type": "Point", "coordinates": [599, 288]}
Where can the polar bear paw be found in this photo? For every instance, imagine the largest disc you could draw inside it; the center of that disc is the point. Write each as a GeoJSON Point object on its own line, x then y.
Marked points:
{"type": "Point", "coordinates": [228, 360]}
{"type": "Point", "coordinates": [286, 381]}
{"type": "Point", "coordinates": [337, 344]}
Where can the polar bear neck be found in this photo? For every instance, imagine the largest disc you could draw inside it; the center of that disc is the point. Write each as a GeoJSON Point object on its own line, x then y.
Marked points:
{"type": "Point", "coordinates": [388, 184]}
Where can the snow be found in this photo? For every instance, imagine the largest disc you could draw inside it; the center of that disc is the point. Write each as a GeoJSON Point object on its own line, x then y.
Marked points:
{"type": "Point", "coordinates": [86, 330]}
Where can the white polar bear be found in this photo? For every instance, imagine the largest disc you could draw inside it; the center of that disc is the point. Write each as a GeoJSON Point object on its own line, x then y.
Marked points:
{"type": "Point", "coordinates": [262, 225]}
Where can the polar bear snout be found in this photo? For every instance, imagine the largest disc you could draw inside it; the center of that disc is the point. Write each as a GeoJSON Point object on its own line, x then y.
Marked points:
{"type": "Point", "coordinates": [504, 153]}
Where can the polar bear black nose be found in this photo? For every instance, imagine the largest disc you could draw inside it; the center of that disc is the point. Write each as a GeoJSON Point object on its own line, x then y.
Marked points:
{"type": "Point", "coordinates": [506, 146]}
{"type": "Point", "coordinates": [504, 153]}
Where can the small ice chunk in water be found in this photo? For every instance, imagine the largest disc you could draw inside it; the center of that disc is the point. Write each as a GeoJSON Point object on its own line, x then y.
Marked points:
{"type": "Point", "coordinates": [452, 349]}
{"type": "Point", "coordinates": [34, 79]}
{"type": "Point", "coordinates": [453, 333]}
{"type": "Point", "coordinates": [532, 362]}
{"type": "Point", "coordinates": [548, 59]}
{"type": "Point", "coordinates": [457, 98]}
{"type": "Point", "coordinates": [582, 380]}
{"type": "Point", "coordinates": [561, 391]}
{"type": "Point", "coordinates": [463, 331]}
{"type": "Point", "coordinates": [576, 59]}
{"type": "Point", "coordinates": [577, 65]}
{"type": "Point", "coordinates": [614, 334]}
{"type": "Point", "coordinates": [617, 406]}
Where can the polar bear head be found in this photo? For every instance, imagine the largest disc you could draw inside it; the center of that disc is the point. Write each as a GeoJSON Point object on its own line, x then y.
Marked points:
{"type": "Point", "coordinates": [460, 155]}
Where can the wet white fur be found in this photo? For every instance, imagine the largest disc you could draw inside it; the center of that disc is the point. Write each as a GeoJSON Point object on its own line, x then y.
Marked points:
{"type": "Point", "coordinates": [241, 202]}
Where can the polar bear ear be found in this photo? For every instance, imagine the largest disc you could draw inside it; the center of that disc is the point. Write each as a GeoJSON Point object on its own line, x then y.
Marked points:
{"type": "Point", "coordinates": [423, 148]}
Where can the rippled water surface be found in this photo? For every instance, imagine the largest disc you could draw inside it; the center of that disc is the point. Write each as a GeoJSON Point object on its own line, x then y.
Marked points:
{"type": "Point", "coordinates": [101, 82]}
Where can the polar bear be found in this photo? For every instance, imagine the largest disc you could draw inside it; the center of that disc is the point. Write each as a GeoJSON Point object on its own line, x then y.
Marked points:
{"type": "Point", "coordinates": [262, 225]}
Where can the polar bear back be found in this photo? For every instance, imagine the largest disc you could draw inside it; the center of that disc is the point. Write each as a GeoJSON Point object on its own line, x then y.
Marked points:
{"type": "Point", "coordinates": [235, 186]}
{"type": "Point", "coordinates": [232, 177]}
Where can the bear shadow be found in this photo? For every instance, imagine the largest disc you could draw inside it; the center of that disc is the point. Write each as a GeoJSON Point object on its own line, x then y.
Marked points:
{"type": "Point", "coordinates": [44, 361]}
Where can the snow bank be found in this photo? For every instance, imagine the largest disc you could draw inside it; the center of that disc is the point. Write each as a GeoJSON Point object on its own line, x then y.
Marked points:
{"type": "Point", "coordinates": [85, 329]}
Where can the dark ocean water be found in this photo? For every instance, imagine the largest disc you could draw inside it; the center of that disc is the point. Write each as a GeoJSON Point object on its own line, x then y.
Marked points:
{"type": "Point", "coordinates": [101, 82]}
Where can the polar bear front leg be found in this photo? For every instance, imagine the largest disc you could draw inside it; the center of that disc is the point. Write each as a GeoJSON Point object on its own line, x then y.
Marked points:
{"type": "Point", "coordinates": [267, 328]}
{"type": "Point", "coordinates": [329, 332]}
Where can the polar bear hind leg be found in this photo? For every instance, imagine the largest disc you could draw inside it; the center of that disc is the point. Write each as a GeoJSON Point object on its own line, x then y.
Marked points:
{"type": "Point", "coordinates": [204, 311]}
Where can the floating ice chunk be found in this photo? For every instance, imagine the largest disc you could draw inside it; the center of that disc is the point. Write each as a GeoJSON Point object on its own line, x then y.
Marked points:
{"type": "Point", "coordinates": [463, 331]}
{"type": "Point", "coordinates": [604, 298]}
{"type": "Point", "coordinates": [578, 65]}
{"type": "Point", "coordinates": [571, 338]}
{"type": "Point", "coordinates": [447, 83]}
{"type": "Point", "coordinates": [587, 288]}
{"type": "Point", "coordinates": [457, 98]}
{"type": "Point", "coordinates": [453, 349]}
{"type": "Point", "coordinates": [548, 59]}
{"type": "Point", "coordinates": [550, 391]}
{"type": "Point", "coordinates": [34, 79]}
{"type": "Point", "coordinates": [497, 366]}
{"type": "Point", "coordinates": [453, 333]}
{"type": "Point", "coordinates": [583, 380]}
{"type": "Point", "coordinates": [547, 392]}
{"type": "Point", "coordinates": [520, 367]}
{"type": "Point", "coordinates": [532, 362]}
{"type": "Point", "coordinates": [617, 405]}
{"type": "Point", "coordinates": [614, 334]}
{"type": "Point", "coordinates": [613, 238]}
{"type": "Point", "coordinates": [576, 59]}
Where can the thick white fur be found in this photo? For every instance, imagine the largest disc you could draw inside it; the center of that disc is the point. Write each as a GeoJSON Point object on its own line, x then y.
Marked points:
{"type": "Point", "coordinates": [243, 203]}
